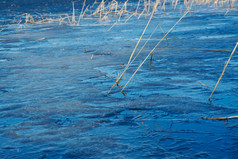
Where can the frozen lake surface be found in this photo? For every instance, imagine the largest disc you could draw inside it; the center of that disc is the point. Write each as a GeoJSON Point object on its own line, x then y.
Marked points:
{"type": "Point", "coordinates": [53, 88]}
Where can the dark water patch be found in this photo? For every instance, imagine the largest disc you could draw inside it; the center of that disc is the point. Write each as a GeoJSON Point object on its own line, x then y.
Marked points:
{"type": "Point", "coordinates": [4, 90]}
{"type": "Point", "coordinates": [11, 107]}
{"type": "Point", "coordinates": [106, 114]}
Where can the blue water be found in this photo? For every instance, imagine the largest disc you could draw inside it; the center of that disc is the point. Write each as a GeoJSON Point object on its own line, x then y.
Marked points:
{"type": "Point", "coordinates": [53, 95]}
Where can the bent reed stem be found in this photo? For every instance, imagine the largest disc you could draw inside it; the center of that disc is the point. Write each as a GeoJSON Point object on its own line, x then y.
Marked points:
{"type": "Point", "coordinates": [223, 71]}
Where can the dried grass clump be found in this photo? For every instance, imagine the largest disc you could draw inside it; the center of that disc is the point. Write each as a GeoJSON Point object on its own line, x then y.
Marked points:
{"type": "Point", "coordinates": [101, 11]}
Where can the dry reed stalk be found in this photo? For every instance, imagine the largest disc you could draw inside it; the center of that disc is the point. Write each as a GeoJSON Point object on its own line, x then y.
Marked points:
{"type": "Point", "coordinates": [106, 75]}
{"type": "Point", "coordinates": [26, 20]}
{"type": "Point", "coordinates": [141, 13]}
{"type": "Point", "coordinates": [40, 39]}
{"type": "Point", "coordinates": [175, 3]}
{"type": "Point", "coordinates": [123, 10]}
{"type": "Point", "coordinates": [86, 9]}
{"type": "Point", "coordinates": [148, 9]}
{"type": "Point", "coordinates": [222, 118]}
{"type": "Point", "coordinates": [118, 80]}
{"type": "Point", "coordinates": [199, 49]}
{"type": "Point", "coordinates": [227, 11]}
{"type": "Point", "coordinates": [106, 15]}
{"type": "Point", "coordinates": [60, 20]}
{"type": "Point", "coordinates": [188, 10]}
{"type": "Point", "coordinates": [81, 14]}
{"type": "Point", "coordinates": [163, 31]}
{"type": "Point", "coordinates": [136, 39]}
{"type": "Point", "coordinates": [19, 23]}
{"type": "Point", "coordinates": [73, 15]}
{"type": "Point", "coordinates": [125, 6]}
{"type": "Point", "coordinates": [32, 20]}
{"type": "Point", "coordinates": [99, 8]}
{"type": "Point", "coordinates": [163, 6]}
{"type": "Point", "coordinates": [138, 4]}
{"type": "Point", "coordinates": [102, 10]}
{"type": "Point", "coordinates": [224, 69]}
{"type": "Point", "coordinates": [185, 2]}
{"type": "Point", "coordinates": [67, 17]}
{"type": "Point", "coordinates": [95, 2]}
{"type": "Point", "coordinates": [2, 26]}
{"type": "Point", "coordinates": [133, 14]}
{"type": "Point", "coordinates": [39, 15]}
{"type": "Point", "coordinates": [143, 46]}
{"type": "Point", "coordinates": [53, 15]}
{"type": "Point", "coordinates": [113, 6]}
{"type": "Point", "coordinates": [112, 26]}
{"type": "Point", "coordinates": [203, 84]}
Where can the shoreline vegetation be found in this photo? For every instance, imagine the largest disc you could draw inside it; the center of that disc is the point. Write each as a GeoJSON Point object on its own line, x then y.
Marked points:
{"type": "Point", "coordinates": [122, 12]}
